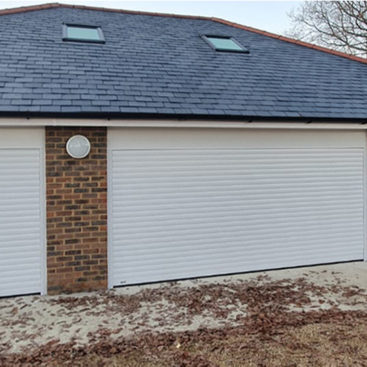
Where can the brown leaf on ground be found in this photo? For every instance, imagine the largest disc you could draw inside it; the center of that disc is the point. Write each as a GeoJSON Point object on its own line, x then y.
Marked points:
{"type": "Point", "coordinates": [302, 339]}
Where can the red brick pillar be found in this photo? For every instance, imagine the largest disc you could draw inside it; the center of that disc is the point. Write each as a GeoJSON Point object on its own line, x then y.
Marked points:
{"type": "Point", "coordinates": [76, 212]}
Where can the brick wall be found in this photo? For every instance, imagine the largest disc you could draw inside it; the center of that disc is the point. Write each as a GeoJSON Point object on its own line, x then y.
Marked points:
{"type": "Point", "coordinates": [76, 212]}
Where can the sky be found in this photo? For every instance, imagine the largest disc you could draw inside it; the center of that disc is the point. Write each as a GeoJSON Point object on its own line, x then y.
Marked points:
{"type": "Point", "coordinates": [266, 15]}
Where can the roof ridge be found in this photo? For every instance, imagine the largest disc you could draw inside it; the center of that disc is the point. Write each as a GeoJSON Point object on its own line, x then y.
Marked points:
{"type": "Point", "coordinates": [290, 40]}
{"type": "Point", "coordinates": [23, 9]}
{"type": "Point", "coordinates": [199, 17]}
{"type": "Point", "coordinates": [96, 8]}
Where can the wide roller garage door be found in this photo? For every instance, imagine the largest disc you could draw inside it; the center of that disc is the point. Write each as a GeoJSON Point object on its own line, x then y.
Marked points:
{"type": "Point", "coordinates": [21, 214]}
{"type": "Point", "coordinates": [188, 203]}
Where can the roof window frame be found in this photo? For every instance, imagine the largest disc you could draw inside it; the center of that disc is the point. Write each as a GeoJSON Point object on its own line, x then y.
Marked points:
{"type": "Point", "coordinates": [206, 38]}
{"type": "Point", "coordinates": [66, 38]}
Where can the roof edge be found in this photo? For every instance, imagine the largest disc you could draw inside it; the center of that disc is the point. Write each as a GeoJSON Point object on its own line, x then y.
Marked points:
{"type": "Point", "coordinates": [291, 40]}
{"type": "Point", "coordinates": [214, 19]}
{"type": "Point", "coordinates": [110, 116]}
{"type": "Point", "coordinates": [24, 9]}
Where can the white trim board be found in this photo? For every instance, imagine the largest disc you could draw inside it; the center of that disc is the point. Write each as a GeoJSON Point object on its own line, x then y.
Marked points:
{"type": "Point", "coordinates": [169, 138]}
{"type": "Point", "coordinates": [22, 138]}
{"type": "Point", "coordinates": [43, 205]}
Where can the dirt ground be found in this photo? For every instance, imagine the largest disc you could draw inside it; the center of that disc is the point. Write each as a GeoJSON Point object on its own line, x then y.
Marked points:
{"type": "Point", "coordinates": [313, 316]}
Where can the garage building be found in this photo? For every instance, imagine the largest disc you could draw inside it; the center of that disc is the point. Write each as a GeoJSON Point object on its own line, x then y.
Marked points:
{"type": "Point", "coordinates": [138, 148]}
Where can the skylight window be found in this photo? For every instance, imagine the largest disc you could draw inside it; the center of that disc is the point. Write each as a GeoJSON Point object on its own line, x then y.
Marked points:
{"type": "Point", "coordinates": [82, 33]}
{"type": "Point", "coordinates": [223, 43]}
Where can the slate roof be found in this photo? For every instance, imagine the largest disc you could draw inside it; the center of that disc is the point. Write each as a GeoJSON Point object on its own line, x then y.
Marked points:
{"type": "Point", "coordinates": [159, 66]}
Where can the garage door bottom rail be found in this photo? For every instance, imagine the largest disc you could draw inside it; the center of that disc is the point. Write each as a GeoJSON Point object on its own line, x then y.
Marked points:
{"type": "Point", "coordinates": [236, 273]}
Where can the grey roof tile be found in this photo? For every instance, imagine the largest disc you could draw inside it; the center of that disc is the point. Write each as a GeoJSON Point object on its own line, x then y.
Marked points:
{"type": "Point", "coordinates": [160, 65]}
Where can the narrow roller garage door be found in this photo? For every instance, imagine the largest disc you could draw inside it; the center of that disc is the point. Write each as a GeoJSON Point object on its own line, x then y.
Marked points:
{"type": "Point", "coordinates": [201, 205]}
{"type": "Point", "coordinates": [21, 237]}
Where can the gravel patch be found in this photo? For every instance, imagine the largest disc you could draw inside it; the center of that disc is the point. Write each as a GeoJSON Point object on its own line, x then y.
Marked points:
{"type": "Point", "coordinates": [26, 323]}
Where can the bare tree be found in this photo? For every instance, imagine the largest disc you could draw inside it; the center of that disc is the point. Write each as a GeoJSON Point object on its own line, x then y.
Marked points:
{"type": "Point", "coordinates": [340, 25]}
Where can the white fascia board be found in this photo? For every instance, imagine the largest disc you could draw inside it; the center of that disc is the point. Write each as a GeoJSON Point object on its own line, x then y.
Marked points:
{"type": "Point", "coordinates": [34, 122]}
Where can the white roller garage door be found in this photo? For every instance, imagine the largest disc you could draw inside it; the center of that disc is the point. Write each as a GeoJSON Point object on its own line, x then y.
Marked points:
{"type": "Point", "coordinates": [190, 203]}
{"type": "Point", "coordinates": [21, 214]}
